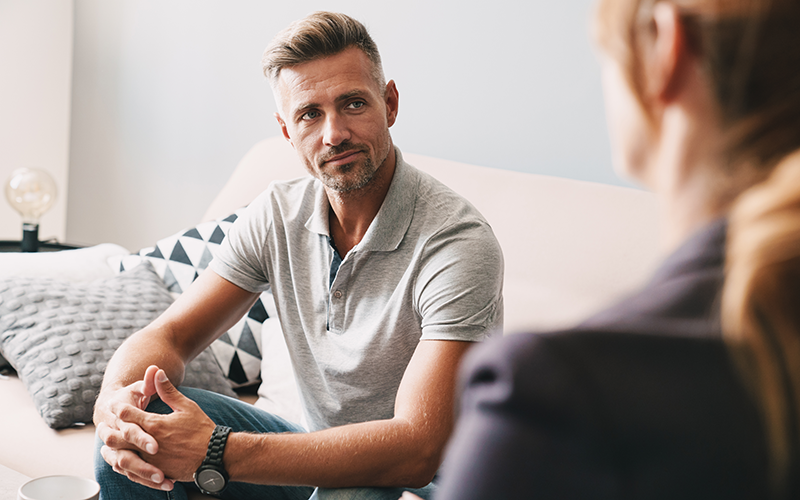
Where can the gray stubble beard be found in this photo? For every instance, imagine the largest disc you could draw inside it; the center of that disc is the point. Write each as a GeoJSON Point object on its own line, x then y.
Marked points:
{"type": "Point", "coordinates": [364, 176]}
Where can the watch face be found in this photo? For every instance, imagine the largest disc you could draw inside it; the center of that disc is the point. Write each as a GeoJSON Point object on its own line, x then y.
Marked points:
{"type": "Point", "coordinates": [210, 480]}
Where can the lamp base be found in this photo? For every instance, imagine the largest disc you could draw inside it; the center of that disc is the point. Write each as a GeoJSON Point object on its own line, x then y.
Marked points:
{"type": "Point", "coordinates": [30, 237]}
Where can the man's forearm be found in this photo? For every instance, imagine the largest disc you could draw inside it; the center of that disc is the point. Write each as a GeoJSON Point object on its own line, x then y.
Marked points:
{"type": "Point", "coordinates": [141, 350]}
{"type": "Point", "coordinates": [403, 451]}
{"type": "Point", "coordinates": [380, 453]}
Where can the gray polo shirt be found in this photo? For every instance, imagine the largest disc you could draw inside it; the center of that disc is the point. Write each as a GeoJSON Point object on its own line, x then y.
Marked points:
{"type": "Point", "coordinates": [429, 267]}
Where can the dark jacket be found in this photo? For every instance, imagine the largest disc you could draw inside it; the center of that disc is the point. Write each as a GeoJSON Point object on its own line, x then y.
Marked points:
{"type": "Point", "coordinates": [640, 402]}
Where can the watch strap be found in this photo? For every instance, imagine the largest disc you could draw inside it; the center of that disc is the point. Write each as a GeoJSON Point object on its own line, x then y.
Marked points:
{"type": "Point", "coordinates": [216, 446]}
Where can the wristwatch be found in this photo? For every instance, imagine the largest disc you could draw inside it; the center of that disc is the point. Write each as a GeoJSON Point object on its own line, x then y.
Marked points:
{"type": "Point", "coordinates": [211, 477]}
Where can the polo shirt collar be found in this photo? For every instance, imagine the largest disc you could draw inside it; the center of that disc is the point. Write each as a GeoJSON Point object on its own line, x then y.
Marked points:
{"type": "Point", "coordinates": [390, 225]}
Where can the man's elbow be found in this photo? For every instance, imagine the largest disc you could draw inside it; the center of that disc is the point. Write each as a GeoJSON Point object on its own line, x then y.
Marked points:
{"type": "Point", "coordinates": [422, 478]}
{"type": "Point", "coordinates": [422, 467]}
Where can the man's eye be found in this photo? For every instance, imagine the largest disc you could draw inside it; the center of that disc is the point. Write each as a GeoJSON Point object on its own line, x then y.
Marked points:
{"type": "Point", "coordinates": [355, 104]}
{"type": "Point", "coordinates": [309, 115]}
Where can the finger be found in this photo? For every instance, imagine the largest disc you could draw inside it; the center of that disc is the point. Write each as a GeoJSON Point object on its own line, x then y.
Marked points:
{"type": "Point", "coordinates": [137, 387]}
{"type": "Point", "coordinates": [109, 435]}
{"type": "Point", "coordinates": [134, 394]}
{"type": "Point", "coordinates": [132, 466]}
{"type": "Point", "coordinates": [102, 410]}
{"type": "Point", "coordinates": [166, 485]}
{"type": "Point", "coordinates": [127, 437]}
{"type": "Point", "coordinates": [168, 393]}
{"type": "Point", "coordinates": [127, 412]}
{"type": "Point", "coordinates": [136, 436]}
{"type": "Point", "coordinates": [130, 425]}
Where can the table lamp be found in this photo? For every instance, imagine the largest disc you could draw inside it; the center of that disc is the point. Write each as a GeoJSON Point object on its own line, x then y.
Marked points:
{"type": "Point", "coordinates": [31, 192]}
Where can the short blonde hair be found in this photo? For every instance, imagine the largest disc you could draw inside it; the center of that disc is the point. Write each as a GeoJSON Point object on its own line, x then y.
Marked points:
{"type": "Point", "coordinates": [316, 36]}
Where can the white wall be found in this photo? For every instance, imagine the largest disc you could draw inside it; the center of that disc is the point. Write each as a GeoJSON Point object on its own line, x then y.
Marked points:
{"type": "Point", "coordinates": [35, 79]}
{"type": "Point", "coordinates": [168, 95]}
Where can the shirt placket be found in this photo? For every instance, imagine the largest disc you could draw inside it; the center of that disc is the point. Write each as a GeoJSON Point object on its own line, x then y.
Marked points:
{"type": "Point", "coordinates": [337, 297]}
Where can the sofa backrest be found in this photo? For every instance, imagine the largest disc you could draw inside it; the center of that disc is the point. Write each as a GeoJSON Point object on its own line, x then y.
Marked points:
{"type": "Point", "coordinates": [570, 247]}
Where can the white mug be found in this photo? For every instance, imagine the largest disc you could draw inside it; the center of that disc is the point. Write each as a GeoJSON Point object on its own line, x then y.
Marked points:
{"type": "Point", "coordinates": [59, 488]}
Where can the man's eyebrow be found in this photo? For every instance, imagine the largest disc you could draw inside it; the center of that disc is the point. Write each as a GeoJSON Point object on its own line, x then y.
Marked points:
{"type": "Point", "coordinates": [351, 94]}
{"type": "Point", "coordinates": [301, 109]}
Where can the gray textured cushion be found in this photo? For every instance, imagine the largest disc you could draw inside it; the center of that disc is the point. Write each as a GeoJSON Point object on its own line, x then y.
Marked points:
{"type": "Point", "coordinates": [59, 337]}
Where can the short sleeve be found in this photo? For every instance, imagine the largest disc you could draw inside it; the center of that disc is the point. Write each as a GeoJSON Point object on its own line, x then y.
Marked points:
{"type": "Point", "coordinates": [243, 254]}
{"type": "Point", "coordinates": [460, 286]}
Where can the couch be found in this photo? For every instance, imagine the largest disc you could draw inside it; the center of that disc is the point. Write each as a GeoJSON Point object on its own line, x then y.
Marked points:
{"type": "Point", "coordinates": [570, 248]}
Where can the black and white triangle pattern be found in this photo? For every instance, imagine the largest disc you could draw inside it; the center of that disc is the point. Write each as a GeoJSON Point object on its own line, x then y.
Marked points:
{"type": "Point", "coordinates": [179, 259]}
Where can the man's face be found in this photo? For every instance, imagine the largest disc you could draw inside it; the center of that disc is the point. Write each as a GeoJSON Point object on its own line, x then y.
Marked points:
{"type": "Point", "coordinates": [337, 118]}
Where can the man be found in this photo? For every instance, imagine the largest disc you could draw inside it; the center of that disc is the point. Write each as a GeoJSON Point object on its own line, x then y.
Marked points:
{"type": "Point", "coordinates": [382, 279]}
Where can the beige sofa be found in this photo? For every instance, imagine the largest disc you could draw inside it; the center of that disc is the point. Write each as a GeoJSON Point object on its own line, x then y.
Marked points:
{"type": "Point", "coordinates": [570, 248]}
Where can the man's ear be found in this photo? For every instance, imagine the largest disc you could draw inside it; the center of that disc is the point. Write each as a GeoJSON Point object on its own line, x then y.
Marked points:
{"type": "Point", "coordinates": [392, 99]}
{"type": "Point", "coordinates": [669, 53]}
{"type": "Point", "coordinates": [284, 130]}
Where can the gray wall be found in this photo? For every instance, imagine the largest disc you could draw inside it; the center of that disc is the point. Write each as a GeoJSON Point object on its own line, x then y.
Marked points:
{"type": "Point", "coordinates": [168, 95]}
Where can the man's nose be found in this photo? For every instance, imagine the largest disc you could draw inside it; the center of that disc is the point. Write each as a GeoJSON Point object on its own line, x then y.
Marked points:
{"type": "Point", "coordinates": [336, 130]}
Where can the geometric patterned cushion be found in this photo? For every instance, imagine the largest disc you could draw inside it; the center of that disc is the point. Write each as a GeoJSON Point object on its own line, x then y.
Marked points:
{"type": "Point", "coordinates": [179, 259]}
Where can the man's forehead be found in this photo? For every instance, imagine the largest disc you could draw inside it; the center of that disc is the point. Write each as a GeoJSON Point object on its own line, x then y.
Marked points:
{"type": "Point", "coordinates": [350, 71]}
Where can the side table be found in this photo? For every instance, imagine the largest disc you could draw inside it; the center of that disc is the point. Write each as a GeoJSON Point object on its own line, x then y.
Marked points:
{"type": "Point", "coordinates": [44, 246]}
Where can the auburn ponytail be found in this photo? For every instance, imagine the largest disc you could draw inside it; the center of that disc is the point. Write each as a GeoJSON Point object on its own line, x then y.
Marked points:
{"type": "Point", "coordinates": [750, 52]}
{"type": "Point", "coordinates": [761, 303]}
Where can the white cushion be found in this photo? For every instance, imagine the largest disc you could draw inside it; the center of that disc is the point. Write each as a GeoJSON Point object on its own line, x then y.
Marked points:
{"type": "Point", "coordinates": [278, 392]}
{"type": "Point", "coordinates": [80, 265]}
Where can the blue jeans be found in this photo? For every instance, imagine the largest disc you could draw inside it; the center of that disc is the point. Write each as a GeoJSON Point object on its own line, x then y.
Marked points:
{"type": "Point", "coordinates": [241, 417]}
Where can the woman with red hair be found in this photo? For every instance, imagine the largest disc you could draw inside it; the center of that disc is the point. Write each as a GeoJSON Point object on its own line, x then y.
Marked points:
{"type": "Point", "coordinates": [689, 388]}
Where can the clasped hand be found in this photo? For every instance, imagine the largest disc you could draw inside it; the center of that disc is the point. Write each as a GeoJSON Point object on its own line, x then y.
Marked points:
{"type": "Point", "coordinates": [152, 449]}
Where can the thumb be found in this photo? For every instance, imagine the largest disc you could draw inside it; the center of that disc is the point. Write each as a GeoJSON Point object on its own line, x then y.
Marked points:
{"type": "Point", "coordinates": [148, 381]}
{"type": "Point", "coordinates": [167, 392]}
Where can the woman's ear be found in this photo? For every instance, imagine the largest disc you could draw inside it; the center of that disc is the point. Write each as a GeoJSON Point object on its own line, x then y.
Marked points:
{"type": "Point", "coordinates": [668, 54]}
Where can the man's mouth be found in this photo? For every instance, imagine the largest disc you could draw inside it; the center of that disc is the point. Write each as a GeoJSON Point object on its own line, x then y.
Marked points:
{"type": "Point", "coordinates": [343, 158]}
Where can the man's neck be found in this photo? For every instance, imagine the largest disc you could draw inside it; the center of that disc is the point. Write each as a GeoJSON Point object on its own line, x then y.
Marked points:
{"type": "Point", "coordinates": [352, 212]}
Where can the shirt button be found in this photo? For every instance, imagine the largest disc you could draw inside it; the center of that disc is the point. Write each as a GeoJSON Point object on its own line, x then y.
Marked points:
{"type": "Point", "coordinates": [338, 294]}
